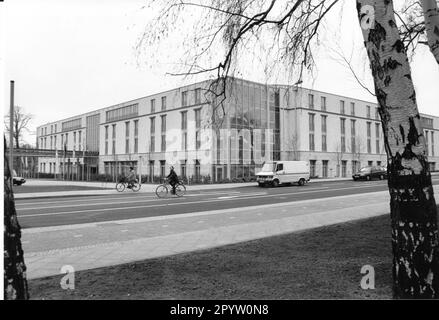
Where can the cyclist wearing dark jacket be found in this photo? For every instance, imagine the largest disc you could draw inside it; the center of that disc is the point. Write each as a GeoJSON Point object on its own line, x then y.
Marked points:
{"type": "Point", "coordinates": [172, 178]}
{"type": "Point", "coordinates": [131, 178]}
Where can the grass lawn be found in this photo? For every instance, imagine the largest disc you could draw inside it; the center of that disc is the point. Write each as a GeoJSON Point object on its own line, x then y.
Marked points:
{"type": "Point", "coordinates": [322, 263]}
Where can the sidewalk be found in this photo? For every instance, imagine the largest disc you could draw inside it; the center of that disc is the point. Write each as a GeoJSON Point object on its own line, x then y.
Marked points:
{"type": "Point", "coordinates": [146, 188]}
{"type": "Point", "coordinates": [95, 245]}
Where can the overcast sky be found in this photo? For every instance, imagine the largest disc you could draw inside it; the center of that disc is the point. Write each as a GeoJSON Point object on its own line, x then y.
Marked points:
{"type": "Point", "coordinates": [72, 57]}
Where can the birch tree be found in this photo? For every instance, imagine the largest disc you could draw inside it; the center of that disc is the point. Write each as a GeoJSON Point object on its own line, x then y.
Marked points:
{"type": "Point", "coordinates": [292, 28]}
{"type": "Point", "coordinates": [14, 273]}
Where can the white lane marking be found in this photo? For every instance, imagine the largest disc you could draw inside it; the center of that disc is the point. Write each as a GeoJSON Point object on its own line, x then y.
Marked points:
{"type": "Point", "coordinates": [250, 209]}
{"type": "Point", "coordinates": [152, 197]}
{"type": "Point", "coordinates": [166, 204]}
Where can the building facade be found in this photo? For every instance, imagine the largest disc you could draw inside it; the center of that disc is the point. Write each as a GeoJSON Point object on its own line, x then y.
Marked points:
{"type": "Point", "coordinates": [205, 139]}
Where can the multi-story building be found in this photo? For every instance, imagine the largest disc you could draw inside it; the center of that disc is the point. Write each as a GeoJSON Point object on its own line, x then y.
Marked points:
{"type": "Point", "coordinates": [204, 137]}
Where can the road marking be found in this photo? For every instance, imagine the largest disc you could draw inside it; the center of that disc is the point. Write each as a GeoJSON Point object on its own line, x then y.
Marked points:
{"type": "Point", "coordinates": [250, 209]}
{"type": "Point", "coordinates": [77, 236]}
{"type": "Point", "coordinates": [174, 204]}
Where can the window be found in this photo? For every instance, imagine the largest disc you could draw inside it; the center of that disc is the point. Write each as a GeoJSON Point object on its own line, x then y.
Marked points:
{"type": "Point", "coordinates": [127, 137]}
{"type": "Point", "coordinates": [136, 136]}
{"type": "Point", "coordinates": [106, 140]}
{"type": "Point", "coordinates": [311, 101]}
{"type": "Point", "coordinates": [344, 165]}
{"type": "Point", "coordinates": [342, 109]}
{"type": "Point", "coordinates": [74, 140]}
{"type": "Point", "coordinates": [325, 168]}
{"type": "Point", "coordinates": [369, 132]}
{"type": "Point", "coordinates": [163, 103]}
{"type": "Point", "coordinates": [377, 115]}
{"type": "Point", "coordinates": [122, 113]}
{"type": "Point", "coordinates": [197, 170]}
{"type": "Point", "coordinates": [184, 99]}
{"type": "Point", "coordinates": [352, 109]}
{"type": "Point", "coordinates": [368, 112]}
{"type": "Point", "coordinates": [323, 103]}
{"type": "Point", "coordinates": [152, 105]}
{"type": "Point", "coordinates": [343, 135]}
{"type": "Point", "coordinates": [183, 168]}
{"type": "Point", "coordinates": [70, 125]}
{"type": "Point", "coordinates": [162, 168]}
{"type": "Point", "coordinates": [184, 130]}
{"type": "Point", "coordinates": [312, 168]}
{"type": "Point", "coordinates": [79, 139]}
{"type": "Point", "coordinates": [324, 127]}
{"type": "Point", "coordinates": [311, 132]}
{"type": "Point", "coordinates": [55, 128]}
{"type": "Point", "coordinates": [114, 139]}
{"type": "Point", "coordinates": [152, 132]}
{"type": "Point", "coordinates": [354, 166]}
{"type": "Point", "coordinates": [280, 167]}
{"type": "Point", "coordinates": [163, 141]}
{"type": "Point", "coordinates": [353, 138]}
{"type": "Point", "coordinates": [432, 143]}
{"type": "Point", "coordinates": [198, 96]}
{"type": "Point", "coordinates": [197, 128]}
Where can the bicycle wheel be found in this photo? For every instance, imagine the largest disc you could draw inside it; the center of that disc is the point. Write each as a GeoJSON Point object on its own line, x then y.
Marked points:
{"type": "Point", "coordinates": [180, 190]}
{"type": "Point", "coordinates": [120, 186]}
{"type": "Point", "coordinates": [161, 191]}
{"type": "Point", "coordinates": [136, 187]}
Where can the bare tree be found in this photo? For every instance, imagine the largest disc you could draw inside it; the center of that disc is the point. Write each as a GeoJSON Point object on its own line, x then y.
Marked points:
{"type": "Point", "coordinates": [431, 15]}
{"type": "Point", "coordinates": [292, 28]}
{"type": "Point", "coordinates": [14, 274]}
{"type": "Point", "coordinates": [21, 123]}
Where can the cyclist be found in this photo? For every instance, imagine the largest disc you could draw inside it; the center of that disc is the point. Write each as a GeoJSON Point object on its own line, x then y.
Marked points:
{"type": "Point", "coordinates": [131, 178]}
{"type": "Point", "coordinates": [172, 179]}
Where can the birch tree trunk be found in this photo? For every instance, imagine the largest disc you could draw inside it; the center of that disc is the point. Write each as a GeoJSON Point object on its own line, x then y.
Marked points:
{"type": "Point", "coordinates": [15, 283]}
{"type": "Point", "coordinates": [431, 15]}
{"type": "Point", "coordinates": [412, 205]}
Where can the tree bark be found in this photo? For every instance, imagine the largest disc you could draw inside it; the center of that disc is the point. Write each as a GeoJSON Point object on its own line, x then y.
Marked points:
{"type": "Point", "coordinates": [412, 205]}
{"type": "Point", "coordinates": [15, 283]}
{"type": "Point", "coordinates": [431, 15]}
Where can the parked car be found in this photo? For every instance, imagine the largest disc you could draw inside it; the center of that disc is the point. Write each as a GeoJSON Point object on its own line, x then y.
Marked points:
{"type": "Point", "coordinates": [283, 172]}
{"type": "Point", "coordinates": [16, 180]}
{"type": "Point", "coordinates": [368, 173]}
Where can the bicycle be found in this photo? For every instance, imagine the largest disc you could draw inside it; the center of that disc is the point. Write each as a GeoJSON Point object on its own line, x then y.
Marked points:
{"type": "Point", "coordinates": [123, 184]}
{"type": "Point", "coordinates": [162, 190]}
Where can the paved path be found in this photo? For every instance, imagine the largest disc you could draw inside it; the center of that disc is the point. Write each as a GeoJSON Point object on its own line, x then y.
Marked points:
{"type": "Point", "coordinates": [94, 245]}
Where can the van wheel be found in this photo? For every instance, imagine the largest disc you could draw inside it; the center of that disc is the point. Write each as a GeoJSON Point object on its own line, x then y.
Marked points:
{"type": "Point", "coordinates": [275, 183]}
{"type": "Point", "coordinates": [301, 182]}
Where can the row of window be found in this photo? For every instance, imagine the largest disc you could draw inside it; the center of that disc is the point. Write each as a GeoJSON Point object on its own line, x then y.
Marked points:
{"type": "Point", "coordinates": [123, 113]}
{"type": "Point", "coordinates": [51, 142]}
{"type": "Point", "coordinates": [355, 143]}
{"type": "Point", "coordinates": [152, 133]}
{"type": "Point", "coordinates": [323, 107]}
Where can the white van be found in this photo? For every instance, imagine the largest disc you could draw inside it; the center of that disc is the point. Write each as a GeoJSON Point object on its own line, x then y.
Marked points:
{"type": "Point", "coordinates": [281, 172]}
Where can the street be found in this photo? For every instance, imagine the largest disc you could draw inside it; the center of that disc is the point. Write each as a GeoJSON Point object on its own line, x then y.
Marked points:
{"type": "Point", "coordinates": [128, 205]}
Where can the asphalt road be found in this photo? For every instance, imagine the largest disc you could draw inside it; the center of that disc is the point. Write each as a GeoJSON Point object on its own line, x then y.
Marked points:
{"type": "Point", "coordinates": [74, 210]}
